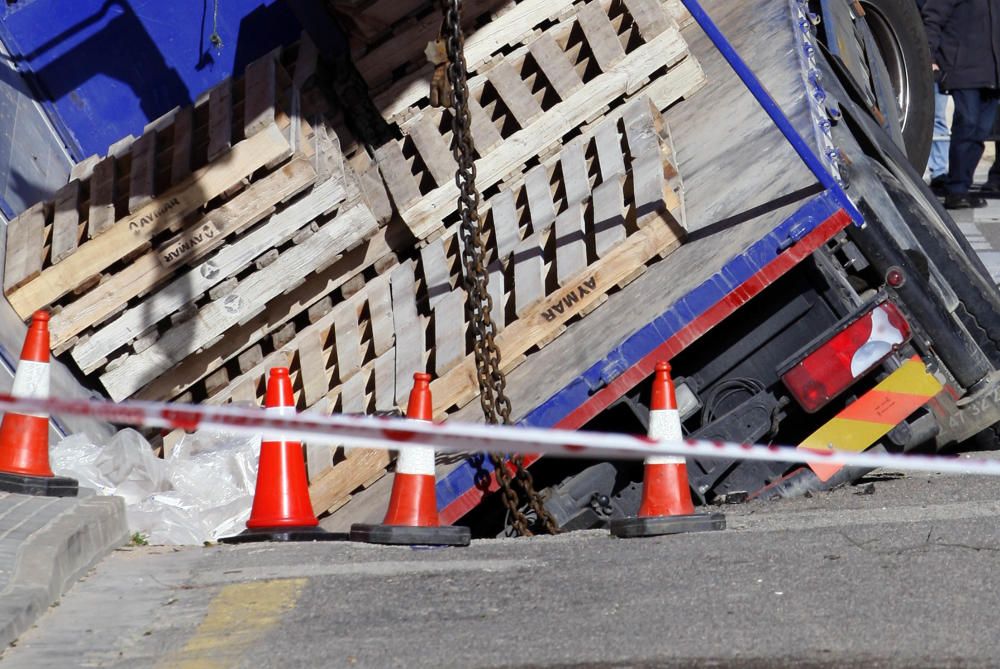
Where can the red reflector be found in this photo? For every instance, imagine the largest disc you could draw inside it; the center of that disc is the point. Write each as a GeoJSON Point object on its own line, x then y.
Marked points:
{"type": "Point", "coordinates": [845, 357]}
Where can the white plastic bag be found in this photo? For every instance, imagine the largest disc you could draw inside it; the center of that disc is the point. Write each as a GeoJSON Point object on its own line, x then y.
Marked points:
{"type": "Point", "coordinates": [203, 491]}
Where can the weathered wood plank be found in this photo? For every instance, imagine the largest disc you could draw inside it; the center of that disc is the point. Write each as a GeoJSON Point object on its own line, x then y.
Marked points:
{"type": "Point", "coordinates": [433, 149]}
{"type": "Point", "coordinates": [66, 221]}
{"type": "Point", "coordinates": [250, 297]}
{"type": "Point", "coordinates": [312, 368]}
{"type": "Point", "coordinates": [380, 316]}
{"type": "Point", "coordinates": [504, 217]}
{"type": "Point", "coordinates": [305, 62]}
{"type": "Point", "coordinates": [24, 248]}
{"type": "Point", "coordinates": [142, 172]}
{"type": "Point", "coordinates": [514, 93]}
{"type": "Point", "coordinates": [609, 149]}
{"type": "Point", "coordinates": [150, 269]}
{"type": "Point", "coordinates": [573, 162]}
{"type": "Point", "coordinates": [571, 245]}
{"type": "Point", "coordinates": [529, 274]}
{"type": "Point", "coordinates": [437, 282]}
{"type": "Point", "coordinates": [409, 330]}
{"type": "Point", "coordinates": [220, 119]}
{"type": "Point", "coordinates": [496, 286]}
{"type": "Point", "coordinates": [84, 169]}
{"type": "Point", "coordinates": [650, 17]}
{"type": "Point", "coordinates": [609, 221]}
{"type": "Point", "coordinates": [133, 231]}
{"type": "Point", "coordinates": [346, 477]}
{"type": "Point", "coordinates": [449, 331]}
{"type": "Point", "coordinates": [554, 64]}
{"type": "Point", "coordinates": [539, 196]}
{"type": "Point", "coordinates": [601, 36]}
{"type": "Point", "coordinates": [484, 131]}
{"type": "Point", "coordinates": [641, 130]}
{"type": "Point", "coordinates": [508, 28]}
{"type": "Point", "coordinates": [549, 315]}
{"type": "Point", "coordinates": [180, 152]}
{"type": "Point", "coordinates": [385, 381]}
{"type": "Point", "coordinates": [667, 48]}
{"type": "Point", "coordinates": [352, 393]}
{"type": "Point", "coordinates": [282, 308]}
{"type": "Point", "coordinates": [102, 197]}
{"type": "Point", "coordinates": [396, 173]}
{"type": "Point", "coordinates": [347, 339]}
{"type": "Point", "coordinates": [375, 194]}
{"type": "Point", "coordinates": [258, 99]}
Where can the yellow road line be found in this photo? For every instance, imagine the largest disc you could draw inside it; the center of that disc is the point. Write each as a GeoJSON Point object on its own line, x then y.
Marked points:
{"type": "Point", "coordinates": [236, 618]}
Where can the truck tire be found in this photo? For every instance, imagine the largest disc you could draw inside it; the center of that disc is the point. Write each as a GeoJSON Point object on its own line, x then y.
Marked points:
{"type": "Point", "coordinates": [898, 31]}
{"type": "Point", "coordinates": [979, 300]}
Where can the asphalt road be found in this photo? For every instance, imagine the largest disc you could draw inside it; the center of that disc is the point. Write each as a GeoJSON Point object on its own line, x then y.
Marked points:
{"type": "Point", "coordinates": [901, 573]}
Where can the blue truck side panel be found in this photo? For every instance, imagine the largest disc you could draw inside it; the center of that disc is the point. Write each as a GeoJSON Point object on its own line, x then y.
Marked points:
{"type": "Point", "coordinates": [738, 270]}
{"type": "Point", "coordinates": [105, 69]}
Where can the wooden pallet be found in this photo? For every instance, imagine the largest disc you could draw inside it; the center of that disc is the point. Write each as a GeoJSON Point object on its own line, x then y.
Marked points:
{"type": "Point", "coordinates": [116, 207]}
{"type": "Point", "coordinates": [562, 78]}
{"type": "Point", "coordinates": [202, 372]}
{"type": "Point", "coordinates": [288, 243]}
{"type": "Point", "coordinates": [552, 272]}
{"type": "Point", "coordinates": [565, 236]}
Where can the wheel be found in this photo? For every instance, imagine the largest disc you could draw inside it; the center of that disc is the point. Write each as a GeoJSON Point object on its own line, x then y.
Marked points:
{"type": "Point", "coordinates": [898, 32]}
{"type": "Point", "coordinates": [978, 299]}
{"type": "Point", "coordinates": [978, 306]}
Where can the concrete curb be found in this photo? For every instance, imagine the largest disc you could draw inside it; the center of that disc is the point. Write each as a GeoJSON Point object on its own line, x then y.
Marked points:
{"type": "Point", "coordinates": [50, 560]}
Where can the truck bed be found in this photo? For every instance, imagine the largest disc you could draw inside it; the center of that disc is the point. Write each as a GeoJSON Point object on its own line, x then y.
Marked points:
{"type": "Point", "coordinates": [747, 196]}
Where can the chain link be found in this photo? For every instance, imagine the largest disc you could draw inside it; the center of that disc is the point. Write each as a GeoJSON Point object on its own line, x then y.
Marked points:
{"type": "Point", "coordinates": [479, 303]}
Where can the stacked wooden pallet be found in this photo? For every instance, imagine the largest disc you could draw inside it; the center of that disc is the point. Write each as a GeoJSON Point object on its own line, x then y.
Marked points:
{"type": "Point", "coordinates": [234, 236]}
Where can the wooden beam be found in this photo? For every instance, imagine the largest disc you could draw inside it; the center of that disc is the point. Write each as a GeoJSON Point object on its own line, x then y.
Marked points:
{"type": "Point", "coordinates": [133, 231]}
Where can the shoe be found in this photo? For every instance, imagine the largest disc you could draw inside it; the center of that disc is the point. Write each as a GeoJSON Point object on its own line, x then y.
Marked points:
{"type": "Point", "coordinates": [963, 201]}
{"type": "Point", "coordinates": [991, 187]}
{"type": "Point", "coordinates": [937, 184]}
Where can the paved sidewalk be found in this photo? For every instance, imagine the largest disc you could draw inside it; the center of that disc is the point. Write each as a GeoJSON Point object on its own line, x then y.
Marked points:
{"type": "Point", "coordinates": [982, 226]}
{"type": "Point", "coordinates": [46, 544]}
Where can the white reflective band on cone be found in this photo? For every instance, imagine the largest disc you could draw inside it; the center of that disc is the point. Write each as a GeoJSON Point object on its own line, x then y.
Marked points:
{"type": "Point", "coordinates": [31, 379]}
{"type": "Point", "coordinates": [404, 434]}
{"type": "Point", "coordinates": [665, 424]}
{"type": "Point", "coordinates": [280, 411]}
{"type": "Point", "coordinates": [417, 460]}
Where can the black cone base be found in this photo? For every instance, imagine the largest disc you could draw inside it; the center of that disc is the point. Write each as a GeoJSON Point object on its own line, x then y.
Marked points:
{"type": "Point", "coordinates": [628, 528]}
{"type": "Point", "coordinates": [47, 486]}
{"type": "Point", "coordinates": [403, 535]}
{"type": "Point", "coordinates": [305, 533]}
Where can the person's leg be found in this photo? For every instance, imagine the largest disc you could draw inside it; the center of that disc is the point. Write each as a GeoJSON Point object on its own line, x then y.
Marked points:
{"type": "Point", "coordinates": [937, 165]}
{"type": "Point", "coordinates": [993, 178]}
{"type": "Point", "coordinates": [966, 139]}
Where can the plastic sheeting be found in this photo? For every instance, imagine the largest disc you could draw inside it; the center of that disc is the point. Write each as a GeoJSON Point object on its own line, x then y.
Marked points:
{"type": "Point", "coordinates": [203, 491]}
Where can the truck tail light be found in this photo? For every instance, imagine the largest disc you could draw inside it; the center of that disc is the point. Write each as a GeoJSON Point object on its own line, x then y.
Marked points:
{"type": "Point", "coordinates": [833, 366]}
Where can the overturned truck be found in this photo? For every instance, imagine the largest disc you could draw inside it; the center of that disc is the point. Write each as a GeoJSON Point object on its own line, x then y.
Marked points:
{"type": "Point", "coordinates": [639, 204]}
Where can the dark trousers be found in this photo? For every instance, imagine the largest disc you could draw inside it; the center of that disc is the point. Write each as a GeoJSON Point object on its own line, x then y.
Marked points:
{"type": "Point", "coordinates": [975, 111]}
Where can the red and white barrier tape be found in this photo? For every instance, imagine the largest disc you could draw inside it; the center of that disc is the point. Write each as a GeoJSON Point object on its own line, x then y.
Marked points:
{"type": "Point", "coordinates": [400, 434]}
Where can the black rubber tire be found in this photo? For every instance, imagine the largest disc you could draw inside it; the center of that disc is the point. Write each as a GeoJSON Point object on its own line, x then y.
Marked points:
{"type": "Point", "coordinates": [979, 299]}
{"type": "Point", "coordinates": [897, 26]}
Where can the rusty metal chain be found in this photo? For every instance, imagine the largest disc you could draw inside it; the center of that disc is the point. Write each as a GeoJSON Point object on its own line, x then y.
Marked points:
{"type": "Point", "coordinates": [479, 303]}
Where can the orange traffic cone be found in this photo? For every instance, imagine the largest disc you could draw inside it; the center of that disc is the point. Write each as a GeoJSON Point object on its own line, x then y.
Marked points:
{"type": "Point", "coordinates": [281, 508]}
{"type": "Point", "coordinates": [666, 506]}
{"type": "Point", "coordinates": [412, 517]}
{"type": "Point", "coordinates": [24, 438]}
